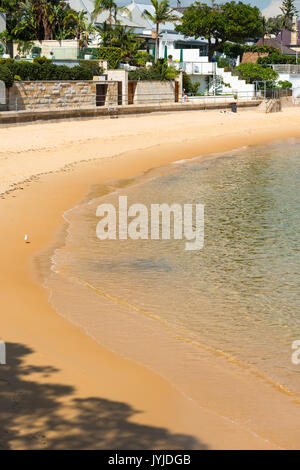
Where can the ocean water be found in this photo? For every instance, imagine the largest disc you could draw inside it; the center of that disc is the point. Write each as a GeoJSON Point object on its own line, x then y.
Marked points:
{"type": "Point", "coordinates": [218, 322]}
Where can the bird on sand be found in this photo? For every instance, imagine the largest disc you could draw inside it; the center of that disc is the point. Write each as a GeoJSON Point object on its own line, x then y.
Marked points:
{"type": "Point", "coordinates": [26, 239]}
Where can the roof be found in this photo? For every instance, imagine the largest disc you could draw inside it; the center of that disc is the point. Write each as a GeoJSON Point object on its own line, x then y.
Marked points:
{"type": "Point", "coordinates": [272, 42]}
{"type": "Point", "coordinates": [286, 36]}
{"type": "Point", "coordinates": [135, 19]}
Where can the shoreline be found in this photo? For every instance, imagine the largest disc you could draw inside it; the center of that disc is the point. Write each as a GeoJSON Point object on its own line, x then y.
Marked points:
{"type": "Point", "coordinates": [91, 375]}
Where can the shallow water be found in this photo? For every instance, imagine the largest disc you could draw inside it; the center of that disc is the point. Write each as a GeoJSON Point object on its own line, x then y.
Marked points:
{"type": "Point", "coordinates": [172, 309]}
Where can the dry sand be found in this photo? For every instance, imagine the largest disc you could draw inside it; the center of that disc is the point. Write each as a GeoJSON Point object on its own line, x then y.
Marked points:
{"type": "Point", "coordinates": [60, 389]}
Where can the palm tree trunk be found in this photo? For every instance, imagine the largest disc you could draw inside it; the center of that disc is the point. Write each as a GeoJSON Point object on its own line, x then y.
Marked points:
{"type": "Point", "coordinates": [156, 43]}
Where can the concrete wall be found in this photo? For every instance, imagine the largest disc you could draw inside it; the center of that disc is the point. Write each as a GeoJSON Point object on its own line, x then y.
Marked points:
{"type": "Point", "coordinates": [154, 92]}
{"type": "Point", "coordinates": [120, 76]}
{"type": "Point", "coordinates": [55, 95]}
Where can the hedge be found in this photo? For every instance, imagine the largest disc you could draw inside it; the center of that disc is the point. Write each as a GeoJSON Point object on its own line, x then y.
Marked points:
{"type": "Point", "coordinates": [113, 55]}
{"type": "Point", "coordinates": [156, 72]}
{"type": "Point", "coordinates": [277, 58]}
{"type": "Point", "coordinates": [43, 70]}
{"type": "Point", "coordinates": [92, 65]}
{"type": "Point", "coordinates": [6, 76]}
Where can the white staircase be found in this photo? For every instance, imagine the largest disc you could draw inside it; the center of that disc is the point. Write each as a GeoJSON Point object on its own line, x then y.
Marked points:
{"type": "Point", "coordinates": [235, 85]}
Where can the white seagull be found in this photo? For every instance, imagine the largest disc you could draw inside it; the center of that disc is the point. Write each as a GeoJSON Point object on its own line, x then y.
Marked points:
{"type": "Point", "coordinates": [26, 238]}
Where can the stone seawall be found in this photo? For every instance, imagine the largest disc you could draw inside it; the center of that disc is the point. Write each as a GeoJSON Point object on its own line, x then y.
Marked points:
{"type": "Point", "coordinates": [42, 95]}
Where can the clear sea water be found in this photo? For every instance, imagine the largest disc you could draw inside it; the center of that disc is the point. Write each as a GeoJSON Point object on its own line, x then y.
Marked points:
{"type": "Point", "coordinates": [237, 300]}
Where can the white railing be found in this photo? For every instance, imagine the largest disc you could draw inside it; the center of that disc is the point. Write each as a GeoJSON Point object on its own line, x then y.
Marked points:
{"type": "Point", "coordinates": [196, 68]}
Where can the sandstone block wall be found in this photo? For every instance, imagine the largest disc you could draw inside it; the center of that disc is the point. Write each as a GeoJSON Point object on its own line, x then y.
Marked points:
{"type": "Point", "coordinates": [154, 92]}
{"type": "Point", "coordinates": [41, 95]}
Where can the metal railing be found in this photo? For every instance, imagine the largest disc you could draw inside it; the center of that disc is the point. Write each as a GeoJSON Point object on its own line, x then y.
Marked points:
{"type": "Point", "coordinates": [286, 68]}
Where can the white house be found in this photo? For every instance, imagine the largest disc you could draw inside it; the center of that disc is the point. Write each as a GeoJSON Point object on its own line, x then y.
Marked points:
{"type": "Point", "coordinates": [188, 54]}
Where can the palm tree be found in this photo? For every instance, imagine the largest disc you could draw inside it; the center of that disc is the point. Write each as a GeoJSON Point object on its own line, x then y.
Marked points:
{"type": "Point", "coordinates": [107, 5]}
{"type": "Point", "coordinates": [162, 13]}
{"type": "Point", "coordinates": [270, 26]}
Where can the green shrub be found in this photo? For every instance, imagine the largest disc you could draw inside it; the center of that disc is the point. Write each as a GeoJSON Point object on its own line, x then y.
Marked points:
{"type": "Point", "coordinates": [113, 55]}
{"type": "Point", "coordinates": [255, 72]}
{"type": "Point", "coordinates": [93, 66]}
{"type": "Point", "coordinates": [188, 86]}
{"type": "Point", "coordinates": [43, 69]}
{"type": "Point", "coordinates": [160, 71]}
{"type": "Point", "coordinates": [81, 73]}
{"type": "Point", "coordinates": [42, 60]}
{"type": "Point", "coordinates": [223, 63]}
{"type": "Point", "coordinates": [6, 76]}
{"type": "Point", "coordinates": [1, 50]}
{"type": "Point", "coordinates": [276, 58]}
{"type": "Point", "coordinates": [140, 58]}
{"type": "Point", "coordinates": [285, 84]}
{"type": "Point", "coordinates": [6, 61]}
{"type": "Point", "coordinates": [26, 70]}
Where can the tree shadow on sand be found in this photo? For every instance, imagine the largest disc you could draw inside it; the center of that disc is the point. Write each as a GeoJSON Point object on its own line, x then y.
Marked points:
{"type": "Point", "coordinates": [92, 423]}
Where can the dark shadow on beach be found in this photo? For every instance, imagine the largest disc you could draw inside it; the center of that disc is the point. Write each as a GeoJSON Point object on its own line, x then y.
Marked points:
{"type": "Point", "coordinates": [94, 423]}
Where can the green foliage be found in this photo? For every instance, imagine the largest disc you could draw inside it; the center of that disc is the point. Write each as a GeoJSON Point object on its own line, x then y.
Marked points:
{"type": "Point", "coordinates": [288, 9]}
{"type": "Point", "coordinates": [81, 73]}
{"type": "Point", "coordinates": [260, 49]}
{"type": "Point", "coordinates": [42, 60]}
{"type": "Point", "coordinates": [2, 50]}
{"type": "Point", "coordinates": [140, 58]}
{"type": "Point", "coordinates": [231, 21]}
{"type": "Point", "coordinates": [6, 76]}
{"type": "Point", "coordinates": [45, 19]}
{"type": "Point", "coordinates": [93, 66]}
{"type": "Point", "coordinates": [121, 37]}
{"type": "Point", "coordinates": [232, 50]}
{"type": "Point", "coordinates": [46, 70]}
{"type": "Point", "coordinates": [276, 58]}
{"type": "Point", "coordinates": [284, 84]}
{"type": "Point", "coordinates": [253, 72]}
{"type": "Point", "coordinates": [189, 87]}
{"type": "Point", "coordinates": [109, 6]}
{"type": "Point", "coordinates": [223, 62]}
{"type": "Point", "coordinates": [162, 14]}
{"type": "Point", "coordinates": [160, 71]}
{"type": "Point", "coordinates": [113, 55]}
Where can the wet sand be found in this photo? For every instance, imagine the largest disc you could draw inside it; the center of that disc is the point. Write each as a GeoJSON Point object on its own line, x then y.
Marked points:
{"type": "Point", "coordinates": [60, 389]}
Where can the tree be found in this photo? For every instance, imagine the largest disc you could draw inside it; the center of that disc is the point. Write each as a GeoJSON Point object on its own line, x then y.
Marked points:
{"type": "Point", "coordinates": [111, 7]}
{"type": "Point", "coordinates": [230, 21]}
{"type": "Point", "coordinates": [44, 19]}
{"type": "Point", "coordinates": [256, 72]}
{"type": "Point", "coordinates": [288, 9]}
{"type": "Point", "coordinates": [122, 37]}
{"type": "Point", "coordinates": [76, 24]}
{"type": "Point", "coordinates": [162, 14]}
{"type": "Point", "coordinates": [271, 26]}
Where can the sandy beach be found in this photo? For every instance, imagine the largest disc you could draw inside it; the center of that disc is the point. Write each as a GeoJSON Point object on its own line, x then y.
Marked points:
{"type": "Point", "coordinates": [60, 389]}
